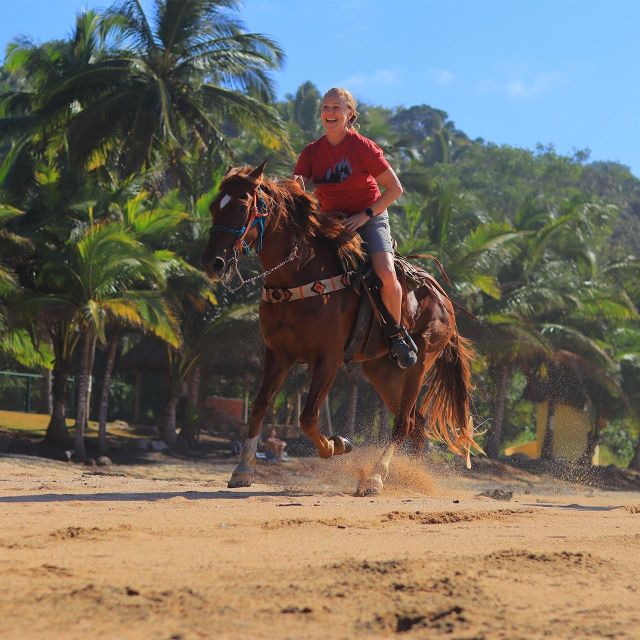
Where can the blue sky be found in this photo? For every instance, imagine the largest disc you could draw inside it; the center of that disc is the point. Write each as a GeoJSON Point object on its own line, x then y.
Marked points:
{"type": "Point", "coordinates": [519, 72]}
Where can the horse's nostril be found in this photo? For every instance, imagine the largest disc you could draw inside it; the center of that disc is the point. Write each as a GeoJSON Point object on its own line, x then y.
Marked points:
{"type": "Point", "coordinates": [218, 265]}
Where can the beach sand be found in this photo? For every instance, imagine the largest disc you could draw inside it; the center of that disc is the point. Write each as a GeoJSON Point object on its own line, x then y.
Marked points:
{"type": "Point", "coordinates": [166, 551]}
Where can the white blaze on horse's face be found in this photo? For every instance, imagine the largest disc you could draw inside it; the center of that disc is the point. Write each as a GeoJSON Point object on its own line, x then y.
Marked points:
{"type": "Point", "coordinates": [225, 200]}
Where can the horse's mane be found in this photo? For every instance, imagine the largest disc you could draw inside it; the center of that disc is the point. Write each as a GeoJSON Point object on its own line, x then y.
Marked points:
{"type": "Point", "coordinates": [290, 205]}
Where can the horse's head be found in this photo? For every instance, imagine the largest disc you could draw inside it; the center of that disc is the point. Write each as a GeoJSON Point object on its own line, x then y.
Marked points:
{"type": "Point", "coordinates": [237, 218]}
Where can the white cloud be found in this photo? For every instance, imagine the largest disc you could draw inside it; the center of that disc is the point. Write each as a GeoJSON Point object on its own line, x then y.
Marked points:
{"type": "Point", "coordinates": [523, 86]}
{"type": "Point", "coordinates": [443, 76]}
{"type": "Point", "coordinates": [519, 88]}
{"type": "Point", "coordinates": [381, 77]}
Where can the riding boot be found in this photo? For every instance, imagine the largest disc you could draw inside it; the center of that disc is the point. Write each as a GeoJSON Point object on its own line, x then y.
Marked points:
{"type": "Point", "coordinates": [402, 348]}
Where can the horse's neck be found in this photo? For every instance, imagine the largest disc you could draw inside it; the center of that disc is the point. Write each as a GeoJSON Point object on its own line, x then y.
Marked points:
{"type": "Point", "coordinates": [315, 259]}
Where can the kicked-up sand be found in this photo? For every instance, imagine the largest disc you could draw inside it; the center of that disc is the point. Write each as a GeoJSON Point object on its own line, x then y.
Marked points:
{"type": "Point", "coordinates": [166, 551]}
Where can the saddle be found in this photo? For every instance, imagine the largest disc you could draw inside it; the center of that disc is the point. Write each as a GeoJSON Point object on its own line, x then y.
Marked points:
{"type": "Point", "coordinates": [373, 320]}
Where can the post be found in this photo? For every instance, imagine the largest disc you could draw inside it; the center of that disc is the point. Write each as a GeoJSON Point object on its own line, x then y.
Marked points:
{"type": "Point", "coordinates": [28, 399]}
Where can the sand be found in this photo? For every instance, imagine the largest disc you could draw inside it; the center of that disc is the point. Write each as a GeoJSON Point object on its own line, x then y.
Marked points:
{"type": "Point", "coordinates": [166, 551]}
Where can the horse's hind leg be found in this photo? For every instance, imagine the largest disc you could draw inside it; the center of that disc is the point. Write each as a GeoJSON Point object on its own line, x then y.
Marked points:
{"type": "Point", "coordinates": [410, 381]}
{"type": "Point", "coordinates": [417, 435]}
{"type": "Point", "coordinates": [323, 373]}
{"type": "Point", "coordinates": [276, 367]}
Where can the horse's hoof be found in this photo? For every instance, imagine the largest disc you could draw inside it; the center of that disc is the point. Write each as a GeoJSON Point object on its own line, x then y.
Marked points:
{"type": "Point", "coordinates": [240, 480]}
{"type": "Point", "coordinates": [372, 487]}
{"type": "Point", "coordinates": [341, 445]}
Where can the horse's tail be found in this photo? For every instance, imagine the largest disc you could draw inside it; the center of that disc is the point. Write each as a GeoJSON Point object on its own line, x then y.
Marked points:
{"type": "Point", "coordinates": [446, 403]}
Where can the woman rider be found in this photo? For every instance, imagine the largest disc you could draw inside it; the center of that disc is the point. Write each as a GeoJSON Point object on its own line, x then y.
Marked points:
{"type": "Point", "coordinates": [351, 175]}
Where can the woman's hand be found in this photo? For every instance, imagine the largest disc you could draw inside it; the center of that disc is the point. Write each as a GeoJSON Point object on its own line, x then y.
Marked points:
{"type": "Point", "coordinates": [356, 221]}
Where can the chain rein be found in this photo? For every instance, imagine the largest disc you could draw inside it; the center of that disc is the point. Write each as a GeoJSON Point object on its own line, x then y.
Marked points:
{"type": "Point", "coordinates": [234, 271]}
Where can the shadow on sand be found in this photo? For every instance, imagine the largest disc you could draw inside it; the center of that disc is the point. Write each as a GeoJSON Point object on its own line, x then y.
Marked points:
{"type": "Point", "coordinates": [574, 507]}
{"type": "Point", "coordinates": [151, 496]}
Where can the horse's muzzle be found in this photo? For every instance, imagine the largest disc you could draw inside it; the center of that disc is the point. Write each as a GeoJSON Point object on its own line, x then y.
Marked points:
{"type": "Point", "coordinates": [215, 269]}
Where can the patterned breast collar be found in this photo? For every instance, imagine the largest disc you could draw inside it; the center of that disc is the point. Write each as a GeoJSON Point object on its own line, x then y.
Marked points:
{"type": "Point", "coordinates": [316, 288]}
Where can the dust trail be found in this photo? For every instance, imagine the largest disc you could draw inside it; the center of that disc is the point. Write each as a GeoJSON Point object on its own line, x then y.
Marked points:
{"type": "Point", "coordinates": [407, 476]}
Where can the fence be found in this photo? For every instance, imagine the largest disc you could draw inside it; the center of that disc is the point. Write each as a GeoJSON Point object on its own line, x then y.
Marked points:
{"type": "Point", "coordinates": [26, 391]}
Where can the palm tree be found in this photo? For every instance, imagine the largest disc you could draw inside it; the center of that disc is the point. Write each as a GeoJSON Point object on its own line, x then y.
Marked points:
{"type": "Point", "coordinates": [104, 273]}
{"type": "Point", "coordinates": [31, 117]}
{"type": "Point", "coordinates": [152, 225]}
{"type": "Point", "coordinates": [17, 338]}
{"type": "Point", "coordinates": [172, 80]}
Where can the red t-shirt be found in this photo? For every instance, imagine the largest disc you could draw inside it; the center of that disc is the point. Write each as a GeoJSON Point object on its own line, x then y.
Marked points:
{"type": "Point", "coordinates": [344, 175]}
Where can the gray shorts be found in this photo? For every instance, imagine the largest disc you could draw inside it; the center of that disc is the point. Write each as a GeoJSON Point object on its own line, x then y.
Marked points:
{"type": "Point", "coordinates": [377, 234]}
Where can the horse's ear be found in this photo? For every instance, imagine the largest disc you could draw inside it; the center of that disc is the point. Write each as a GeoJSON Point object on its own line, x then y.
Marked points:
{"type": "Point", "coordinates": [256, 174]}
{"type": "Point", "coordinates": [228, 171]}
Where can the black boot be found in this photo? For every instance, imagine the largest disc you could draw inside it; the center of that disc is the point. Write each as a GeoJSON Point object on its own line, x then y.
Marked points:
{"type": "Point", "coordinates": [403, 349]}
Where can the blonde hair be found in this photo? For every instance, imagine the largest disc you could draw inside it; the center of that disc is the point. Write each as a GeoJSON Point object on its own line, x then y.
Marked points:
{"type": "Point", "coordinates": [347, 96]}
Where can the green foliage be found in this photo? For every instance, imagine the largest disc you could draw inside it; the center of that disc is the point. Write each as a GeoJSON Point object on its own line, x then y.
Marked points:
{"type": "Point", "coordinates": [619, 441]}
{"type": "Point", "coordinates": [114, 143]}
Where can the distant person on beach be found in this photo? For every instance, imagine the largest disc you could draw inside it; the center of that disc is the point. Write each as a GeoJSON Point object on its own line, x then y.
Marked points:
{"type": "Point", "coordinates": [275, 445]}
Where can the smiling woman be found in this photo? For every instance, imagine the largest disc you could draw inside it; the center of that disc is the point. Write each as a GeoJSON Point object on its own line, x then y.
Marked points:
{"type": "Point", "coordinates": [352, 176]}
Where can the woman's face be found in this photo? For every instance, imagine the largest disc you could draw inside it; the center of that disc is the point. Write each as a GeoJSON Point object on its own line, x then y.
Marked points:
{"type": "Point", "coordinates": [335, 113]}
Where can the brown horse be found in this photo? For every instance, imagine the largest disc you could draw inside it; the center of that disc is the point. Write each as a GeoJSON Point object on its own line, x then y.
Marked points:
{"type": "Point", "coordinates": [299, 245]}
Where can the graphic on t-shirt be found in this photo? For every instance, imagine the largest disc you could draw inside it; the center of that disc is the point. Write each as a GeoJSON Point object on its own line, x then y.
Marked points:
{"type": "Point", "coordinates": [339, 173]}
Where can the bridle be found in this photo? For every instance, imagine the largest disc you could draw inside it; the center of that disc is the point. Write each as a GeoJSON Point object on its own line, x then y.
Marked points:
{"type": "Point", "coordinates": [257, 218]}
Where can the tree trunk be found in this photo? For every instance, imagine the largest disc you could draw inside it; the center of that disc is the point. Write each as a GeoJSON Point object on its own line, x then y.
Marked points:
{"type": "Point", "coordinates": [593, 437]}
{"type": "Point", "coordinates": [45, 403]}
{"type": "Point", "coordinates": [353, 373]}
{"type": "Point", "coordinates": [494, 435]}
{"type": "Point", "coordinates": [350, 428]}
{"type": "Point", "coordinates": [57, 428]}
{"type": "Point", "coordinates": [190, 423]}
{"type": "Point", "coordinates": [137, 390]}
{"type": "Point", "coordinates": [168, 424]}
{"type": "Point", "coordinates": [194, 389]}
{"type": "Point", "coordinates": [103, 410]}
{"type": "Point", "coordinates": [84, 382]}
{"type": "Point", "coordinates": [546, 452]}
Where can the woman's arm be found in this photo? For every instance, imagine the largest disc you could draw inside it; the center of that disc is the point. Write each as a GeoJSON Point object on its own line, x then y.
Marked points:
{"type": "Point", "coordinates": [391, 190]}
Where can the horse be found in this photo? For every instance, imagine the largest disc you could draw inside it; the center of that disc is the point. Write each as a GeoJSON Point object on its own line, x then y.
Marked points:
{"type": "Point", "coordinates": [307, 313]}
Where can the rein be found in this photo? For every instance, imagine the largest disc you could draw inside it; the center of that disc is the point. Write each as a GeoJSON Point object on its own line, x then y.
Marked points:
{"type": "Point", "coordinates": [289, 258]}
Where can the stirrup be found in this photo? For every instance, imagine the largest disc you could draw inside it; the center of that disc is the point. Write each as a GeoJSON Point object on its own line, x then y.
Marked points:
{"type": "Point", "coordinates": [403, 349]}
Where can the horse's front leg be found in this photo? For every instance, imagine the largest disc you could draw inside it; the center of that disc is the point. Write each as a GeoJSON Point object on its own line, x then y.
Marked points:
{"type": "Point", "coordinates": [323, 373]}
{"type": "Point", "coordinates": [276, 367]}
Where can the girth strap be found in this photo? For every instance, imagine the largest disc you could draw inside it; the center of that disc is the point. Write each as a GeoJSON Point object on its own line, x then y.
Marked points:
{"type": "Point", "coordinates": [316, 288]}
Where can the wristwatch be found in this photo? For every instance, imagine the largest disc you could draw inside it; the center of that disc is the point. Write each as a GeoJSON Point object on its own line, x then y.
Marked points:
{"type": "Point", "coordinates": [369, 212]}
